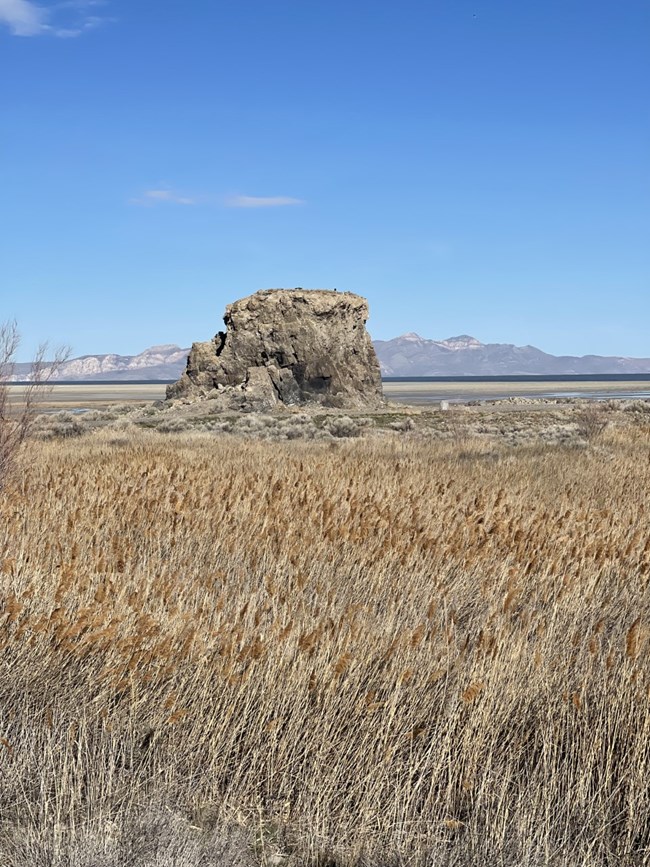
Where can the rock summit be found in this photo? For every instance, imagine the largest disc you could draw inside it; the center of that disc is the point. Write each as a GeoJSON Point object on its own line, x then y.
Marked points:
{"type": "Point", "coordinates": [286, 347]}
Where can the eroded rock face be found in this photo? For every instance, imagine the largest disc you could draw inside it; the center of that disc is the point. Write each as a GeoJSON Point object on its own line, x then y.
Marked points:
{"type": "Point", "coordinates": [287, 346]}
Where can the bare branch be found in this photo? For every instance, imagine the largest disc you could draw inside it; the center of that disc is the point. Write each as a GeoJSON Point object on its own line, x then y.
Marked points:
{"type": "Point", "coordinates": [16, 421]}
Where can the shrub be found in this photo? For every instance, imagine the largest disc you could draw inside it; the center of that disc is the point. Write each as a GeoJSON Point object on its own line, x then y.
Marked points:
{"type": "Point", "coordinates": [591, 421]}
{"type": "Point", "coordinates": [174, 425]}
{"type": "Point", "coordinates": [342, 426]}
{"type": "Point", "coordinates": [58, 425]}
{"type": "Point", "coordinates": [403, 424]}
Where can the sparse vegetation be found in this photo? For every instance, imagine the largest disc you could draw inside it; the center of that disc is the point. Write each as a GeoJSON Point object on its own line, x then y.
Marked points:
{"type": "Point", "coordinates": [592, 420]}
{"type": "Point", "coordinates": [218, 651]}
{"type": "Point", "coordinates": [17, 420]}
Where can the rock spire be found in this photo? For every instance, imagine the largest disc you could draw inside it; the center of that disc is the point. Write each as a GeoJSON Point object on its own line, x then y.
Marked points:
{"type": "Point", "coordinates": [287, 346]}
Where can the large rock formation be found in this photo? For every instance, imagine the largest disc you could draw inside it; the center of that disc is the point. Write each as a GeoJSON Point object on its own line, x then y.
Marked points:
{"type": "Point", "coordinates": [287, 346]}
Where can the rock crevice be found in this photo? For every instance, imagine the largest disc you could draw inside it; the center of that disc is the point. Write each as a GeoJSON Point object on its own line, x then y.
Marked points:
{"type": "Point", "coordinates": [287, 346]}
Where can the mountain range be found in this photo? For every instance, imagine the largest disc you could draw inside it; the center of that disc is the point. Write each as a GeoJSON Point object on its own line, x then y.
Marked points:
{"type": "Point", "coordinates": [158, 362]}
{"type": "Point", "coordinates": [406, 356]}
{"type": "Point", "coordinates": [412, 355]}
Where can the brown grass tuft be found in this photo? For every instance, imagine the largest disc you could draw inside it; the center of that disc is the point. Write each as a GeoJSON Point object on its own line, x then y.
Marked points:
{"type": "Point", "coordinates": [369, 655]}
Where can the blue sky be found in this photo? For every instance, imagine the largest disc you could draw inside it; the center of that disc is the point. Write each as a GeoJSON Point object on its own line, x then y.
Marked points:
{"type": "Point", "coordinates": [471, 167]}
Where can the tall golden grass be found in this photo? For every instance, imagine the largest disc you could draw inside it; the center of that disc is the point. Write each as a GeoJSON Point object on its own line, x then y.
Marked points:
{"type": "Point", "coordinates": [368, 653]}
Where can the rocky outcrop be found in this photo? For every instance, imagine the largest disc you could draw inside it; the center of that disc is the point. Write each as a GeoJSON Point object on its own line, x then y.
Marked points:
{"type": "Point", "coordinates": [287, 346]}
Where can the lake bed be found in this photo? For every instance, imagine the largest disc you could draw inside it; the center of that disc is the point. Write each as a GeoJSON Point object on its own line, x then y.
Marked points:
{"type": "Point", "coordinates": [92, 395]}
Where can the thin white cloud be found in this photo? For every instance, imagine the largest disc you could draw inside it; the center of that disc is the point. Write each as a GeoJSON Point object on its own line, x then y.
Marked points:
{"type": "Point", "coordinates": [79, 4]}
{"type": "Point", "coordinates": [155, 197]}
{"type": "Point", "coordinates": [65, 20]}
{"type": "Point", "coordinates": [261, 201]}
{"type": "Point", "coordinates": [165, 195]}
{"type": "Point", "coordinates": [22, 17]}
{"type": "Point", "coordinates": [91, 23]}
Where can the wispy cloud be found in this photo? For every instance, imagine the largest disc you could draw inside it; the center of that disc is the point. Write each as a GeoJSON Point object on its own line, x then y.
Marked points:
{"type": "Point", "coordinates": [22, 17]}
{"type": "Point", "coordinates": [66, 20]}
{"type": "Point", "coordinates": [156, 197]}
{"type": "Point", "coordinates": [164, 195]}
{"type": "Point", "coordinates": [261, 201]}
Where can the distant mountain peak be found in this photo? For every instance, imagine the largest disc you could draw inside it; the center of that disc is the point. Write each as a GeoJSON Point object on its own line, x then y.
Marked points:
{"type": "Point", "coordinates": [412, 336]}
{"type": "Point", "coordinates": [461, 341]}
{"type": "Point", "coordinates": [163, 347]}
{"type": "Point", "coordinates": [467, 338]}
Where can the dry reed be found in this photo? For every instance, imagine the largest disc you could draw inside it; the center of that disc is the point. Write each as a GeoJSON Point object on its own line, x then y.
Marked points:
{"type": "Point", "coordinates": [352, 655]}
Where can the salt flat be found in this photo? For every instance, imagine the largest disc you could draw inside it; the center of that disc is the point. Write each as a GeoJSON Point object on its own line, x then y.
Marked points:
{"type": "Point", "coordinates": [417, 392]}
{"type": "Point", "coordinates": [91, 395]}
{"type": "Point", "coordinates": [66, 396]}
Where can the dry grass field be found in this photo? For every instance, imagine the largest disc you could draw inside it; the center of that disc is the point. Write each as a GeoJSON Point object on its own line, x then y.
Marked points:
{"type": "Point", "coordinates": [380, 651]}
